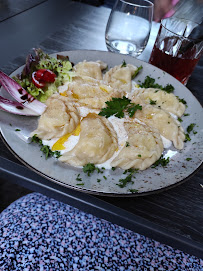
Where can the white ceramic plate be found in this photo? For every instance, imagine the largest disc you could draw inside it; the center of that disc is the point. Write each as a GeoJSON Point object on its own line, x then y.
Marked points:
{"type": "Point", "coordinates": [147, 181]}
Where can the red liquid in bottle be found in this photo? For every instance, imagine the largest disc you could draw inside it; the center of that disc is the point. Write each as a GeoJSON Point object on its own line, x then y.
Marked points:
{"type": "Point", "coordinates": [180, 68]}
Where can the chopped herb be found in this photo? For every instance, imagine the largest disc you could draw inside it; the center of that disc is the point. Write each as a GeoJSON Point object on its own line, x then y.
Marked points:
{"type": "Point", "coordinates": [89, 168]}
{"type": "Point", "coordinates": [78, 178]}
{"type": "Point", "coordinates": [162, 161]}
{"type": "Point", "coordinates": [181, 100]}
{"type": "Point", "coordinates": [113, 168]}
{"type": "Point", "coordinates": [130, 170]}
{"type": "Point", "coordinates": [190, 127]}
{"type": "Point", "coordinates": [45, 148]}
{"type": "Point", "coordinates": [36, 139]}
{"type": "Point", "coordinates": [57, 154]}
{"type": "Point", "coordinates": [133, 190]}
{"type": "Point", "coordinates": [17, 130]}
{"type": "Point", "coordinates": [104, 177]}
{"type": "Point", "coordinates": [150, 83]}
{"type": "Point", "coordinates": [99, 170]}
{"type": "Point", "coordinates": [139, 155]}
{"type": "Point", "coordinates": [127, 144]}
{"type": "Point", "coordinates": [186, 115]}
{"type": "Point", "coordinates": [10, 124]}
{"type": "Point", "coordinates": [123, 182]}
{"type": "Point", "coordinates": [132, 109]}
{"type": "Point", "coordinates": [123, 64]}
{"type": "Point", "coordinates": [152, 102]}
{"type": "Point", "coordinates": [179, 119]}
{"type": "Point", "coordinates": [188, 159]}
{"type": "Point", "coordinates": [80, 184]}
{"type": "Point", "coordinates": [136, 72]}
{"type": "Point", "coordinates": [48, 152]}
{"type": "Point", "coordinates": [194, 132]}
{"type": "Point", "coordinates": [168, 88]}
{"type": "Point", "coordinates": [98, 180]}
{"type": "Point", "coordinates": [187, 138]}
{"type": "Point", "coordinates": [117, 106]}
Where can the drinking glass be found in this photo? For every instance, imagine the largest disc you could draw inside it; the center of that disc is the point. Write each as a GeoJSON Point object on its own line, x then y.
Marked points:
{"type": "Point", "coordinates": [129, 26]}
{"type": "Point", "coordinates": [178, 47]}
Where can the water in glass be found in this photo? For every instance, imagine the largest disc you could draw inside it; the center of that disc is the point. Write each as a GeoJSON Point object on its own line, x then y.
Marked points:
{"type": "Point", "coordinates": [128, 27]}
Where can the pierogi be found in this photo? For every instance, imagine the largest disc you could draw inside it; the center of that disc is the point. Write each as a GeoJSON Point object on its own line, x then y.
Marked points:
{"type": "Point", "coordinates": [161, 99]}
{"type": "Point", "coordinates": [59, 118]}
{"type": "Point", "coordinates": [99, 140]}
{"type": "Point", "coordinates": [143, 148]}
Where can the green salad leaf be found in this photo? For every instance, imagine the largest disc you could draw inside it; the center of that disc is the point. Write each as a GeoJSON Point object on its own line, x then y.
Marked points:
{"type": "Point", "coordinates": [61, 66]}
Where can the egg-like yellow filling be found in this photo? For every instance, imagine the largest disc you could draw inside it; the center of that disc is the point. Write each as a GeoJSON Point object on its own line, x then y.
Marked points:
{"type": "Point", "coordinates": [59, 144]}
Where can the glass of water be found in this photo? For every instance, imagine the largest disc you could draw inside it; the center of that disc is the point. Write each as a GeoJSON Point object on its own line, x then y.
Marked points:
{"type": "Point", "coordinates": [129, 26]}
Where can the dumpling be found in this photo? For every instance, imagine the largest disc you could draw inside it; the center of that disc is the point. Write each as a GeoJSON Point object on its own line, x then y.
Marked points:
{"type": "Point", "coordinates": [162, 99]}
{"type": "Point", "coordinates": [90, 94]}
{"type": "Point", "coordinates": [120, 77]}
{"type": "Point", "coordinates": [163, 122]}
{"type": "Point", "coordinates": [90, 69]}
{"type": "Point", "coordinates": [97, 142]}
{"type": "Point", "coordinates": [144, 147]}
{"type": "Point", "coordinates": [59, 118]}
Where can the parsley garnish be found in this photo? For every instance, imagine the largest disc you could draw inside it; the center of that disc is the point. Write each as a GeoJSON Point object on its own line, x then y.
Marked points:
{"type": "Point", "coordinates": [123, 182]}
{"type": "Point", "coordinates": [150, 83]}
{"type": "Point", "coordinates": [78, 178]}
{"type": "Point", "coordinates": [123, 64]}
{"type": "Point", "coordinates": [186, 115]}
{"type": "Point", "coordinates": [152, 102]}
{"type": "Point", "coordinates": [48, 152]}
{"type": "Point", "coordinates": [139, 155]}
{"type": "Point", "coordinates": [179, 119]}
{"type": "Point", "coordinates": [17, 130]}
{"type": "Point", "coordinates": [127, 144]}
{"type": "Point", "coordinates": [132, 109]}
{"type": "Point", "coordinates": [45, 149]}
{"type": "Point", "coordinates": [117, 106]}
{"type": "Point", "coordinates": [130, 170]}
{"type": "Point", "coordinates": [187, 137]}
{"type": "Point", "coordinates": [133, 190]}
{"type": "Point", "coordinates": [183, 102]}
{"type": "Point", "coordinates": [168, 88]}
{"type": "Point", "coordinates": [188, 159]}
{"type": "Point", "coordinates": [89, 168]}
{"type": "Point", "coordinates": [162, 161]}
{"type": "Point", "coordinates": [113, 168]}
{"type": "Point", "coordinates": [136, 72]}
{"type": "Point", "coordinates": [189, 129]}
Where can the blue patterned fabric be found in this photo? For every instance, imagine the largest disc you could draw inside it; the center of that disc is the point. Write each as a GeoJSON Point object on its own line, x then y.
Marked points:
{"type": "Point", "coordinates": [40, 233]}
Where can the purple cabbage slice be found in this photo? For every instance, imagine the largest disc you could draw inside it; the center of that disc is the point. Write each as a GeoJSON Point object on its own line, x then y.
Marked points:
{"type": "Point", "coordinates": [20, 94]}
{"type": "Point", "coordinates": [15, 108]}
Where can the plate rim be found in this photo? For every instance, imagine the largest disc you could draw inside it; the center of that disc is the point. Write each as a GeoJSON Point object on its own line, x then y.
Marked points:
{"type": "Point", "coordinates": [89, 191]}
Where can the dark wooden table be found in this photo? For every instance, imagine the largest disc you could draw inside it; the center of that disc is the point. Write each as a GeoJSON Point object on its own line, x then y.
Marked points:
{"type": "Point", "coordinates": [174, 217]}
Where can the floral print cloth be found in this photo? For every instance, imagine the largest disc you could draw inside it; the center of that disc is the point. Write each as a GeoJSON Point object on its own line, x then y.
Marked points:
{"type": "Point", "coordinates": [40, 233]}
